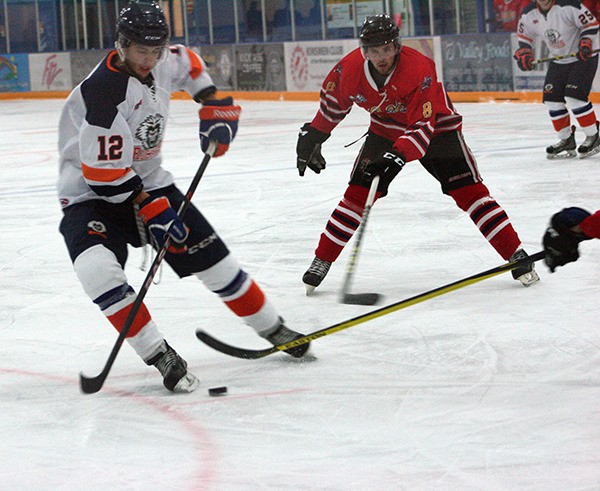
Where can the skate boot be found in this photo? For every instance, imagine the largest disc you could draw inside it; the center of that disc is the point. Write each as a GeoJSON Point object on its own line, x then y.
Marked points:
{"type": "Point", "coordinates": [564, 148]}
{"type": "Point", "coordinates": [525, 274]}
{"type": "Point", "coordinates": [281, 335]}
{"type": "Point", "coordinates": [315, 274]}
{"type": "Point", "coordinates": [173, 368]}
{"type": "Point", "coordinates": [591, 145]}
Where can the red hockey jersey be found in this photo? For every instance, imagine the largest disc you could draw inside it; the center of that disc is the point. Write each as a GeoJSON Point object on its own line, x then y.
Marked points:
{"type": "Point", "coordinates": [409, 109]}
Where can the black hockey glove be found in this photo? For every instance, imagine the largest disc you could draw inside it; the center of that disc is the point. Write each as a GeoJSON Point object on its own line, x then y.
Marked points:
{"type": "Point", "coordinates": [585, 49]}
{"type": "Point", "coordinates": [308, 149]}
{"type": "Point", "coordinates": [386, 166]}
{"type": "Point", "coordinates": [524, 57]}
{"type": "Point", "coordinates": [561, 244]}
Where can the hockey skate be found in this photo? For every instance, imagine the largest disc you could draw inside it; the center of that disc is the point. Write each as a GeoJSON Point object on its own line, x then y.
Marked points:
{"type": "Point", "coordinates": [173, 368]}
{"type": "Point", "coordinates": [281, 335]}
{"type": "Point", "coordinates": [564, 148]}
{"type": "Point", "coordinates": [591, 145]}
{"type": "Point", "coordinates": [525, 274]}
{"type": "Point", "coordinates": [315, 274]}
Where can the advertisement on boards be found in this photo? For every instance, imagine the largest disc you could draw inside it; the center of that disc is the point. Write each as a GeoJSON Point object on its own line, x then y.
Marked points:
{"type": "Point", "coordinates": [308, 63]}
{"type": "Point", "coordinates": [478, 63]}
{"type": "Point", "coordinates": [14, 73]}
{"type": "Point", "coordinates": [260, 67]}
{"type": "Point", "coordinates": [50, 71]}
{"type": "Point", "coordinates": [220, 64]}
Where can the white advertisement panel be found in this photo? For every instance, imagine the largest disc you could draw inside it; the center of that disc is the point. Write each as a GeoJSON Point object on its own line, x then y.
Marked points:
{"type": "Point", "coordinates": [308, 63]}
{"type": "Point", "coordinates": [50, 71]}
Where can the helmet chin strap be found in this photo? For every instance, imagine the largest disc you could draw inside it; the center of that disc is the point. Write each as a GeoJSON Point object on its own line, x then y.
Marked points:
{"type": "Point", "coordinates": [120, 51]}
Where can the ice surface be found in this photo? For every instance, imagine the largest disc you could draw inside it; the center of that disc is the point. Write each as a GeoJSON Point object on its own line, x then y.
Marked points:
{"type": "Point", "coordinates": [491, 387]}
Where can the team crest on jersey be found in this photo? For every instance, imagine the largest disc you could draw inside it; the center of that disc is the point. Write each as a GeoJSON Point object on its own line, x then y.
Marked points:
{"type": "Point", "coordinates": [553, 37]}
{"type": "Point", "coordinates": [396, 107]}
{"type": "Point", "coordinates": [150, 131]}
{"type": "Point", "coordinates": [358, 99]}
{"type": "Point", "coordinates": [330, 87]}
{"type": "Point", "coordinates": [426, 83]}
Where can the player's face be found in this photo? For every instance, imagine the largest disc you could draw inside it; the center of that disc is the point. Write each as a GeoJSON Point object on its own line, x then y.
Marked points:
{"type": "Point", "coordinates": [545, 4]}
{"type": "Point", "coordinates": [382, 57]}
{"type": "Point", "coordinates": [142, 59]}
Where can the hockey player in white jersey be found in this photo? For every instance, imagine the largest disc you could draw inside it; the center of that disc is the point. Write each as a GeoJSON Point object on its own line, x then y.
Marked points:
{"type": "Point", "coordinates": [566, 27]}
{"type": "Point", "coordinates": [114, 191]}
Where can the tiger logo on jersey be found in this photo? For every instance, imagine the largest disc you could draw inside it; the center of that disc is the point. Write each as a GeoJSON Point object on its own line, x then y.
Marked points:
{"type": "Point", "coordinates": [554, 38]}
{"type": "Point", "coordinates": [150, 131]}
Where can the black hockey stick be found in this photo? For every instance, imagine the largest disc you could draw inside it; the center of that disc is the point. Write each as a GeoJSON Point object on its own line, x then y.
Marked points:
{"type": "Point", "coordinates": [251, 354]}
{"type": "Point", "coordinates": [360, 298]}
{"type": "Point", "coordinates": [91, 385]}
{"type": "Point", "coordinates": [559, 57]}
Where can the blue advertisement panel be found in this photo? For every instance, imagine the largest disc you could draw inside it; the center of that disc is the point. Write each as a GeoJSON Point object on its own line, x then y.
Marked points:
{"type": "Point", "coordinates": [477, 63]}
{"type": "Point", "coordinates": [14, 73]}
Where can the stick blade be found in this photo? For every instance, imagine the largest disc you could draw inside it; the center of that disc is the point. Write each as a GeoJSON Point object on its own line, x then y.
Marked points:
{"type": "Point", "coordinates": [90, 385]}
{"type": "Point", "coordinates": [361, 298]}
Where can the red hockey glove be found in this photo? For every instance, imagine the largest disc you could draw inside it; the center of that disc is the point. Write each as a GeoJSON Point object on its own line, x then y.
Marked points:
{"type": "Point", "coordinates": [163, 221]}
{"type": "Point", "coordinates": [218, 121]}
{"type": "Point", "coordinates": [524, 57]}
{"type": "Point", "coordinates": [585, 49]}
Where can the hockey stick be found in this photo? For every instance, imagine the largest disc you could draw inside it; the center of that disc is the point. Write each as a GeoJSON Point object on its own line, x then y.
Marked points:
{"type": "Point", "coordinates": [250, 354]}
{"type": "Point", "coordinates": [360, 298]}
{"type": "Point", "coordinates": [91, 385]}
{"type": "Point", "coordinates": [559, 57]}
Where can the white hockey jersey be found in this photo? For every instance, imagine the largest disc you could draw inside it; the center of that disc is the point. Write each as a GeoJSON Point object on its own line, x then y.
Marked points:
{"type": "Point", "coordinates": [112, 126]}
{"type": "Point", "coordinates": [560, 28]}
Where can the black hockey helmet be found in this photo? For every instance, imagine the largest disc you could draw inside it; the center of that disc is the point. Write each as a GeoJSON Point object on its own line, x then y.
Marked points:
{"type": "Point", "coordinates": [143, 23]}
{"type": "Point", "coordinates": [378, 30]}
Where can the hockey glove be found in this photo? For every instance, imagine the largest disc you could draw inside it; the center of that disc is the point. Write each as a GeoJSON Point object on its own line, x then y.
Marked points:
{"type": "Point", "coordinates": [386, 166]}
{"type": "Point", "coordinates": [561, 243]}
{"type": "Point", "coordinates": [163, 221]}
{"type": "Point", "coordinates": [524, 57]}
{"type": "Point", "coordinates": [308, 149]}
{"type": "Point", "coordinates": [218, 121]}
{"type": "Point", "coordinates": [585, 49]}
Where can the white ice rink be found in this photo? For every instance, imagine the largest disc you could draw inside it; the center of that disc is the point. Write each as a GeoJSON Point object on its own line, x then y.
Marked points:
{"type": "Point", "coordinates": [491, 387]}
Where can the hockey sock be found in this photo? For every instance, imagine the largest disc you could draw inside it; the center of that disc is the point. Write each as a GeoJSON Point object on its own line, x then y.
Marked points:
{"type": "Point", "coordinates": [559, 115]}
{"type": "Point", "coordinates": [342, 223]}
{"type": "Point", "coordinates": [585, 115]}
{"type": "Point", "coordinates": [489, 217]}
{"type": "Point", "coordinates": [240, 293]}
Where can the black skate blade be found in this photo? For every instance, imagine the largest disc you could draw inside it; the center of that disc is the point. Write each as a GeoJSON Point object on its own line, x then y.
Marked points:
{"type": "Point", "coordinates": [361, 298]}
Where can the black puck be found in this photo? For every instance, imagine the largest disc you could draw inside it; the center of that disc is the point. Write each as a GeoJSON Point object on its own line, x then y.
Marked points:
{"type": "Point", "coordinates": [217, 391]}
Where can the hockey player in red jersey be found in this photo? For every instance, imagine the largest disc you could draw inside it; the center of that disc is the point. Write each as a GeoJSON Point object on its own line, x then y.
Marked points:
{"type": "Point", "coordinates": [412, 118]}
{"type": "Point", "coordinates": [567, 229]}
{"type": "Point", "coordinates": [114, 191]}
{"type": "Point", "coordinates": [565, 27]}
{"type": "Point", "coordinates": [593, 6]}
{"type": "Point", "coordinates": [508, 13]}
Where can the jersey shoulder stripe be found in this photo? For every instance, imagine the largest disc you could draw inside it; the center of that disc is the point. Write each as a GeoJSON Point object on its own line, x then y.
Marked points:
{"type": "Point", "coordinates": [102, 92]}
